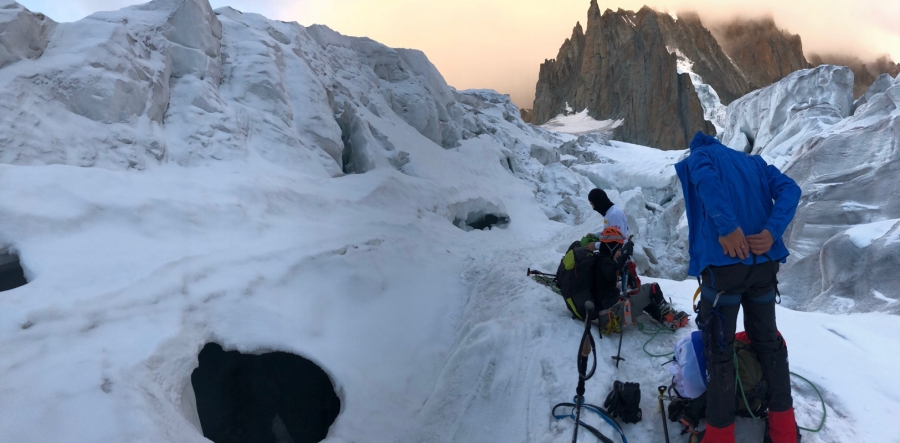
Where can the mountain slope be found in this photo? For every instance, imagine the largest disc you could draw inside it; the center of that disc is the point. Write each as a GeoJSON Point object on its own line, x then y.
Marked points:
{"type": "Point", "coordinates": [620, 68]}
{"type": "Point", "coordinates": [327, 196]}
{"type": "Point", "coordinates": [763, 53]}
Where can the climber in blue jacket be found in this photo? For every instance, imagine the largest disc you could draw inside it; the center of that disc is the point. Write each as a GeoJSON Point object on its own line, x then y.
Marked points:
{"type": "Point", "coordinates": [729, 194]}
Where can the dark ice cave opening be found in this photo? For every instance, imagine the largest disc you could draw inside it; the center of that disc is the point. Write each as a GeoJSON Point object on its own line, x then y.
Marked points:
{"type": "Point", "coordinates": [275, 397]}
{"type": "Point", "coordinates": [11, 274]}
{"type": "Point", "coordinates": [478, 220]}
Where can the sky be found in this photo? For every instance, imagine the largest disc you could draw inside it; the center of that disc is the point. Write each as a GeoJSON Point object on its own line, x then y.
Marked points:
{"type": "Point", "coordinates": [500, 44]}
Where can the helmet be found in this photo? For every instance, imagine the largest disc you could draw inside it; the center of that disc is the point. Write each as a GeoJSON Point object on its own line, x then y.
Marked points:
{"type": "Point", "coordinates": [612, 235]}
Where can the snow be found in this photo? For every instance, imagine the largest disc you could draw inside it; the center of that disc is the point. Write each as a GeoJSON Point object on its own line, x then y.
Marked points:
{"type": "Point", "coordinates": [846, 171]}
{"type": "Point", "coordinates": [776, 120]}
{"type": "Point", "coordinates": [23, 34]}
{"type": "Point", "coordinates": [879, 86]}
{"type": "Point", "coordinates": [881, 296]}
{"type": "Point", "coordinates": [856, 206]}
{"type": "Point", "coordinates": [272, 187]}
{"type": "Point", "coordinates": [580, 124]}
{"type": "Point", "coordinates": [713, 109]}
{"type": "Point", "coordinates": [864, 235]}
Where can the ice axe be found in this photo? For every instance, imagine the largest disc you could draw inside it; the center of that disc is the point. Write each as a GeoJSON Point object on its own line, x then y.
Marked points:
{"type": "Point", "coordinates": [587, 347]}
{"type": "Point", "coordinates": [662, 391]}
{"type": "Point", "coordinates": [623, 296]}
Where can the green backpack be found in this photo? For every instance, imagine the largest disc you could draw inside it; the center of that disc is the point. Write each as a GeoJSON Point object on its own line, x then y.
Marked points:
{"type": "Point", "coordinates": [569, 258]}
{"type": "Point", "coordinates": [750, 379]}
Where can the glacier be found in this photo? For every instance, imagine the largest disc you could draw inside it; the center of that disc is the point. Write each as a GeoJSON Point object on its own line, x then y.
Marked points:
{"type": "Point", "coordinates": [713, 109]}
{"type": "Point", "coordinates": [845, 161]}
{"type": "Point", "coordinates": [173, 175]}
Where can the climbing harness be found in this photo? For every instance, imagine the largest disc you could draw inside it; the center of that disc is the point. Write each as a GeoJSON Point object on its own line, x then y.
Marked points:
{"type": "Point", "coordinates": [705, 325]}
{"type": "Point", "coordinates": [613, 323]}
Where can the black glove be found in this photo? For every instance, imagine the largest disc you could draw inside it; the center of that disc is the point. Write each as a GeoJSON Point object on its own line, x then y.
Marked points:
{"type": "Point", "coordinates": [688, 412]}
{"type": "Point", "coordinates": [628, 249]}
{"type": "Point", "coordinates": [625, 253]}
{"type": "Point", "coordinates": [624, 402]}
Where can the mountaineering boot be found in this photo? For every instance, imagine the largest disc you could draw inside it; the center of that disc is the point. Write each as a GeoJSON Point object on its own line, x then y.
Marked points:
{"type": "Point", "coordinates": [713, 434]}
{"type": "Point", "coordinates": [661, 311]}
{"type": "Point", "coordinates": [781, 427]}
{"type": "Point", "coordinates": [673, 319]}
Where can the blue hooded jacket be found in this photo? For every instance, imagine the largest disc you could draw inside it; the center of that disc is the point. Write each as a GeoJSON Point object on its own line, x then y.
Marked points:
{"type": "Point", "coordinates": [725, 189]}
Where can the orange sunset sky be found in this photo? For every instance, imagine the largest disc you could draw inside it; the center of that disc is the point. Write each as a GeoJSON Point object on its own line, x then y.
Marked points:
{"type": "Point", "coordinates": [500, 44]}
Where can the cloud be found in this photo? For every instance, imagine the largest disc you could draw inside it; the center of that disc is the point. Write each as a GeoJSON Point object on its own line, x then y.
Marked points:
{"type": "Point", "coordinates": [500, 44]}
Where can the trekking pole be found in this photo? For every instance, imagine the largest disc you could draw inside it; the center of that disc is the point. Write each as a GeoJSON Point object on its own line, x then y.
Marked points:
{"type": "Point", "coordinates": [542, 274]}
{"type": "Point", "coordinates": [618, 356]}
{"type": "Point", "coordinates": [662, 390]}
{"type": "Point", "coordinates": [587, 345]}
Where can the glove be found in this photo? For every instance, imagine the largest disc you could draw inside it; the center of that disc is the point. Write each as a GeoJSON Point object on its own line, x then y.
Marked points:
{"type": "Point", "coordinates": [688, 412]}
{"type": "Point", "coordinates": [624, 402]}
{"type": "Point", "coordinates": [628, 249]}
{"type": "Point", "coordinates": [625, 253]}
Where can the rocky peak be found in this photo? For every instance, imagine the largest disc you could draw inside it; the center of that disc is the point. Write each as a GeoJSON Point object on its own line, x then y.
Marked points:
{"type": "Point", "coordinates": [696, 44]}
{"type": "Point", "coordinates": [527, 115]}
{"type": "Point", "coordinates": [763, 52]}
{"type": "Point", "coordinates": [577, 38]}
{"type": "Point", "coordinates": [622, 69]}
{"type": "Point", "coordinates": [593, 11]}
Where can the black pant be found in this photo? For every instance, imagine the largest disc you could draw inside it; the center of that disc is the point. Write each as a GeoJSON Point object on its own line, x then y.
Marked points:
{"type": "Point", "coordinates": [752, 287]}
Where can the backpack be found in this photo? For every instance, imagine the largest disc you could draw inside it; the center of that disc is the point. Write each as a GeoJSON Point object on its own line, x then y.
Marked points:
{"type": "Point", "coordinates": [577, 279]}
{"type": "Point", "coordinates": [688, 369]}
{"type": "Point", "coordinates": [751, 377]}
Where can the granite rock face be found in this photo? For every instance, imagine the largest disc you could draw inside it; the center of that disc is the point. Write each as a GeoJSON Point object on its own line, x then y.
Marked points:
{"type": "Point", "coordinates": [689, 36]}
{"type": "Point", "coordinates": [527, 115]}
{"type": "Point", "coordinates": [763, 53]}
{"type": "Point", "coordinates": [620, 68]}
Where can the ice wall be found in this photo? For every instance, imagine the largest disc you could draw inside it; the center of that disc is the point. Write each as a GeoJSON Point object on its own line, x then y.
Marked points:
{"type": "Point", "coordinates": [775, 120]}
{"type": "Point", "coordinates": [849, 177]}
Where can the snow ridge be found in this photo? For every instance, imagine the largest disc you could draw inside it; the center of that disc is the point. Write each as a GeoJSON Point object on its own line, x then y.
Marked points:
{"type": "Point", "coordinates": [713, 109]}
{"type": "Point", "coordinates": [268, 186]}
